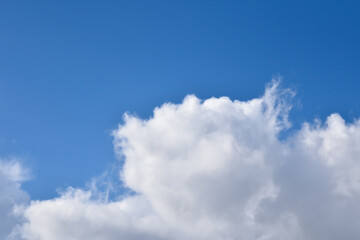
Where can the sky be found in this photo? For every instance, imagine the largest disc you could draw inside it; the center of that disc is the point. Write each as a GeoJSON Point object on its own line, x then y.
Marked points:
{"type": "Point", "coordinates": [70, 70]}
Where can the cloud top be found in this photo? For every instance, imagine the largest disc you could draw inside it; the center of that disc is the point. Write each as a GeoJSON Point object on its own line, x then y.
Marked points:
{"type": "Point", "coordinates": [216, 169]}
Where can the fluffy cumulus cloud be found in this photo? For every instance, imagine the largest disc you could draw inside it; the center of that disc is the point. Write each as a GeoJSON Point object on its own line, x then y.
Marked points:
{"type": "Point", "coordinates": [217, 170]}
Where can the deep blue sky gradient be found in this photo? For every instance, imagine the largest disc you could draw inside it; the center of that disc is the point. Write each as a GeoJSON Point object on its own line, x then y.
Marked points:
{"type": "Point", "coordinates": [70, 69]}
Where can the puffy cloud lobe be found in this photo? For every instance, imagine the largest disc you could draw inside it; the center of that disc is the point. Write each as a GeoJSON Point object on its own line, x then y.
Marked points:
{"type": "Point", "coordinates": [319, 180]}
{"type": "Point", "coordinates": [206, 166]}
{"type": "Point", "coordinates": [12, 198]}
{"type": "Point", "coordinates": [75, 215]}
{"type": "Point", "coordinates": [216, 169]}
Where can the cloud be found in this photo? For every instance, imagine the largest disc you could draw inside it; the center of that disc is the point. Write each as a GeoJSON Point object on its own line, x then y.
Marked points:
{"type": "Point", "coordinates": [217, 169]}
{"type": "Point", "coordinates": [12, 197]}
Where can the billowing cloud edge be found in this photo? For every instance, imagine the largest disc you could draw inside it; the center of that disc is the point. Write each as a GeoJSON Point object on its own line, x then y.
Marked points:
{"type": "Point", "coordinates": [13, 200]}
{"type": "Point", "coordinates": [216, 169]}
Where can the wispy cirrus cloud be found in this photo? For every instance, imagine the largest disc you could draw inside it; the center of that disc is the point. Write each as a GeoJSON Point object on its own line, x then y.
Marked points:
{"type": "Point", "coordinates": [216, 169]}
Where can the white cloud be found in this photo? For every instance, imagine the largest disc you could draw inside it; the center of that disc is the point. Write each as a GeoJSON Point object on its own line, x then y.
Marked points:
{"type": "Point", "coordinates": [12, 198]}
{"type": "Point", "coordinates": [75, 216]}
{"type": "Point", "coordinates": [216, 169]}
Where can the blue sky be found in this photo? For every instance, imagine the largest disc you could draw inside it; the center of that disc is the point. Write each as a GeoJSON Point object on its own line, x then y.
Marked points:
{"type": "Point", "coordinates": [69, 70]}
